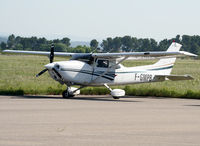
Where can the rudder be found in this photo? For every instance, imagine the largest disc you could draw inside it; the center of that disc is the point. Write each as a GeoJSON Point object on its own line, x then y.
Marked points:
{"type": "Point", "coordinates": [166, 64]}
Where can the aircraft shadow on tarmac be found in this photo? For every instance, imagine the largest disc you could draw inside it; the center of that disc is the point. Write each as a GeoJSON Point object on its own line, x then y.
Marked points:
{"type": "Point", "coordinates": [92, 98]}
{"type": "Point", "coordinates": [193, 105]}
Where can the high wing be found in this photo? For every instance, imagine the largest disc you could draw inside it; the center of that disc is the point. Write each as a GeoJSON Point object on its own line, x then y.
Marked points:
{"type": "Point", "coordinates": [107, 55]}
{"type": "Point", "coordinates": [143, 54]}
{"type": "Point", "coordinates": [41, 53]}
{"type": "Point", "coordinates": [172, 51]}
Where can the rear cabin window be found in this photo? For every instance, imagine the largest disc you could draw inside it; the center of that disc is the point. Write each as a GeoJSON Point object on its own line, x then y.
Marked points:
{"type": "Point", "coordinates": [103, 63]}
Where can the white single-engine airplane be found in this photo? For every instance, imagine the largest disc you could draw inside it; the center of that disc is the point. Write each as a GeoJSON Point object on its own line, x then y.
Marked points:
{"type": "Point", "coordinates": [97, 69]}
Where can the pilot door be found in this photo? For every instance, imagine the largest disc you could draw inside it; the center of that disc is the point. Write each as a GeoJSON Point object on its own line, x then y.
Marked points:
{"type": "Point", "coordinates": [103, 72]}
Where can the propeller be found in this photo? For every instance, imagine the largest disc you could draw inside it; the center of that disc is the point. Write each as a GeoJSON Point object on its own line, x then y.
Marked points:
{"type": "Point", "coordinates": [52, 53]}
{"type": "Point", "coordinates": [51, 57]}
{"type": "Point", "coordinates": [43, 71]}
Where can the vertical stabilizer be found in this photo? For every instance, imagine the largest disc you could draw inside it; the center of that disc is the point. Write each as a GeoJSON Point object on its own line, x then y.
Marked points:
{"type": "Point", "coordinates": [166, 64]}
{"type": "Point", "coordinates": [174, 47]}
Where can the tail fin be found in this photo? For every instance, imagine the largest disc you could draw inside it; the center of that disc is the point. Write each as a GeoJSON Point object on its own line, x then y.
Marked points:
{"type": "Point", "coordinates": [166, 64]}
{"type": "Point", "coordinates": [174, 47]}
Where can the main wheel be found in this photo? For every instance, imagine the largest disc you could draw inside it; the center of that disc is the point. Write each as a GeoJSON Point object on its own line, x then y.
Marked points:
{"type": "Point", "coordinates": [115, 97]}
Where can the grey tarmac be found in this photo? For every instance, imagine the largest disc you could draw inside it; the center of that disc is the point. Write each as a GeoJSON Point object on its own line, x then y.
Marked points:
{"type": "Point", "coordinates": [98, 120]}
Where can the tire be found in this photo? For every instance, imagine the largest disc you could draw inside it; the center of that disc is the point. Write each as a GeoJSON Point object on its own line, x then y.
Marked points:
{"type": "Point", "coordinates": [66, 94]}
{"type": "Point", "coordinates": [115, 97]}
{"type": "Point", "coordinates": [71, 95]}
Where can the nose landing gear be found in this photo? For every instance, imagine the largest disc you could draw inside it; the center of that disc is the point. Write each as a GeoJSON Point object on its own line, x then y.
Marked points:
{"type": "Point", "coordinates": [66, 94]}
{"type": "Point", "coordinates": [70, 92]}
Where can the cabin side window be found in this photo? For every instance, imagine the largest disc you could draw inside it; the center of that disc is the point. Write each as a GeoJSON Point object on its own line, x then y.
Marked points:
{"type": "Point", "coordinates": [102, 63]}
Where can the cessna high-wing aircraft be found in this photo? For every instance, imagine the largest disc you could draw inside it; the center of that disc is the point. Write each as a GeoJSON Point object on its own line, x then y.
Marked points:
{"type": "Point", "coordinates": [98, 69]}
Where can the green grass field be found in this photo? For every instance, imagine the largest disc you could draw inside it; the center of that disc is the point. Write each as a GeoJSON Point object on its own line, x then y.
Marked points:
{"type": "Point", "coordinates": [17, 77]}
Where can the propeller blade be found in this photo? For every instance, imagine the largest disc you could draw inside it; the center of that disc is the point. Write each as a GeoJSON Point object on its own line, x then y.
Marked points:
{"type": "Point", "coordinates": [43, 71]}
{"type": "Point", "coordinates": [51, 53]}
{"type": "Point", "coordinates": [57, 73]}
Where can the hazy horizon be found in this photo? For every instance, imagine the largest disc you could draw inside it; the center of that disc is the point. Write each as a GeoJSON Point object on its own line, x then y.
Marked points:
{"type": "Point", "coordinates": [84, 20]}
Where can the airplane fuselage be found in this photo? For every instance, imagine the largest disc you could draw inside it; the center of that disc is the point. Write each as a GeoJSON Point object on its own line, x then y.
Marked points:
{"type": "Point", "coordinates": [76, 72]}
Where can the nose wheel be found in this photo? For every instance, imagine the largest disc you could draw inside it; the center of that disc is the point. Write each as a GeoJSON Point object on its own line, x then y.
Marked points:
{"type": "Point", "coordinates": [67, 94]}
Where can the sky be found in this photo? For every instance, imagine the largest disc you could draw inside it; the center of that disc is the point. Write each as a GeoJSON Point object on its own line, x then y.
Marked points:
{"type": "Point", "coordinates": [84, 20]}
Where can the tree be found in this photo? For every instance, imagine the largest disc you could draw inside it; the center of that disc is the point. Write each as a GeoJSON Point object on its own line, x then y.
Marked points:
{"type": "Point", "coordinates": [107, 45]}
{"type": "Point", "coordinates": [56, 41]}
{"type": "Point", "coordinates": [42, 41]}
{"type": "Point", "coordinates": [94, 44]}
{"type": "Point", "coordinates": [33, 42]}
{"type": "Point", "coordinates": [78, 49]}
{"type": "Point", "coordinates": [127, 43]}
{"type": "Point", "coordinates": [60, 47]}
{"type": "Point", "coordinates": [135, 44]}
{"type": "Point", "coordinates": [111, 45]}
{"type": "Point", "coordinates": [163, 45]}
{"type": "Point", "coordinates": [45, 47]}
{"type": "Point", "coordinates": [18, 39]}
{"type": "Point", "coordinates": [186, 42]}
{"type": "Point", "coordinates": [144, 44]}
{"type": "Point", "coordinates": [11, 41]}
{"type": "Point", "coordinates": [178, 39]}
{"type": "Point", "coordinates": [194, 48]}
{"type": "Point", "coordinates": [66, 41]}
{"type": "Point", "coordinates": [3, 45]}
{"type": "Point", "coordinates": [19, 46]}
{"type": "Point", "coordinates": [153, 45]}
{"type": "Point", "coordinates": [27, 43]}
{"type": "Point", "coordinates": [116, 43]}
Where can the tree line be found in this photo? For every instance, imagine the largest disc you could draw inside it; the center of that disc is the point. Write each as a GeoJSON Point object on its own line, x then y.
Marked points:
{"type": "Point", "coordinates": [129, 44]}
{"type": "Point", "coordinates": [116, 44]}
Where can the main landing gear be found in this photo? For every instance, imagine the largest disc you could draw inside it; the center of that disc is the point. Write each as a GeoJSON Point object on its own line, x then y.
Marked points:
{"type": "Point", "coordinates": [116, 93]}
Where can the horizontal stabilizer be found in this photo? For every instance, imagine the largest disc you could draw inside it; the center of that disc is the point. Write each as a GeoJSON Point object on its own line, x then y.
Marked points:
{"type": "Point", "coordinates": [174, 77]}
{"type": "Point", "coordinates": [188, 54]}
